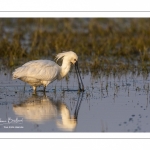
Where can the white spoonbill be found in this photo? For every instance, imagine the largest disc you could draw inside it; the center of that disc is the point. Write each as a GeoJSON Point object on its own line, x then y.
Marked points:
{"type": "Point", "coordinates": [43, 72]}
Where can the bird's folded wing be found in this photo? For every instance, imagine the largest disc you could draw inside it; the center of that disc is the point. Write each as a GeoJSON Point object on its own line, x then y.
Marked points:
{"type": "Point", "coordinates": [40, 69]}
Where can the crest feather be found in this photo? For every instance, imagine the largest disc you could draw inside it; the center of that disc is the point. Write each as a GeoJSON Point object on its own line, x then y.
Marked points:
{"type": "Point", "coordinates": [61, 55]}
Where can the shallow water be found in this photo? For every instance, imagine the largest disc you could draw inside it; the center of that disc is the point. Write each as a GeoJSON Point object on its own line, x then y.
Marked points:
{"type": "Point", "coordinates": [109, 104]}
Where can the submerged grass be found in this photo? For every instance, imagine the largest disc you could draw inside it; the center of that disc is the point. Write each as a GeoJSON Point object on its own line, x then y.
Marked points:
{"type": "Point", "coordinates": [111, 45]}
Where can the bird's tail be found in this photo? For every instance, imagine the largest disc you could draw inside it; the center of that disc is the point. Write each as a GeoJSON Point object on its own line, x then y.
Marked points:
{"type": "Point", "coordinates": [17, 73]}
{"type": "Point", "coordinates": [14, 75]}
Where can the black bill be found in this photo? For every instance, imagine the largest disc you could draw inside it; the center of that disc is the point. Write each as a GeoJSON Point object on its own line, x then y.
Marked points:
{"type": "Point", "coordinates": [81, 86]}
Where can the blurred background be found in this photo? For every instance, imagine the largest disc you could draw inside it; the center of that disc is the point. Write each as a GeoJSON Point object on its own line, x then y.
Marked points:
{"type": "Point", "coordinates": [102, 44]}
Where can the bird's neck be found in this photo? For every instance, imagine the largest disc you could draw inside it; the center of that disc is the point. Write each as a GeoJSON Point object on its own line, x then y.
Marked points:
{"type": "Point", "coordinates": [65, 68]}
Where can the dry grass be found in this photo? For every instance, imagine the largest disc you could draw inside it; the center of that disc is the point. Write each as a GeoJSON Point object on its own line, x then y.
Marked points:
{"type": "Point", "coordinates": [109, 45]}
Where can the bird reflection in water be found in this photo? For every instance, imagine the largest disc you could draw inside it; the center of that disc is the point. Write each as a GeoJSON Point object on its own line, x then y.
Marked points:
{"type": "Point", "coordinates": [39, 109]}
{"type": "Point", "coordinates": [67, 121]}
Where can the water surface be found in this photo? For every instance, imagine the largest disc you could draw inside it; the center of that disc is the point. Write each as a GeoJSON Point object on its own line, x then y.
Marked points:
{"type": "Point", "coordinates": [109, 104]}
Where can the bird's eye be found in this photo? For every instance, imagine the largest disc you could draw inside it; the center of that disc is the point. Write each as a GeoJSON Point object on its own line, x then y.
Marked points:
{"type": "Point", "coordinates": [75, 60]}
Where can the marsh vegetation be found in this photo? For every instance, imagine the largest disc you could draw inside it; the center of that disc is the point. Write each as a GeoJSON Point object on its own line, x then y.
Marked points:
{"type": "Point", "coordinates": [111, 45]}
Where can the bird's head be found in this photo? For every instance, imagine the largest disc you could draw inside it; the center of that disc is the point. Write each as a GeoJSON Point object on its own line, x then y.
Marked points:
{"type": "Point", "coordinates": [74, 58]}
{"type": "Point", "coordinates": [69, 56]}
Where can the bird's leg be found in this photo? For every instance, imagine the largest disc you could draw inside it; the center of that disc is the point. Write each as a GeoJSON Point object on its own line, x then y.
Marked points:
{"type": "Point", "coordinates": [44, 88]}
{"type": "Point", "coordinates": [24, 87]}
{"type": "Point", "coordinates": [34, 89]}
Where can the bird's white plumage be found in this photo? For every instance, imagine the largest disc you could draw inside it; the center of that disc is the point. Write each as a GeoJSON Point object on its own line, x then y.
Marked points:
{"type": "Point", "coordinates": [43, 72]}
